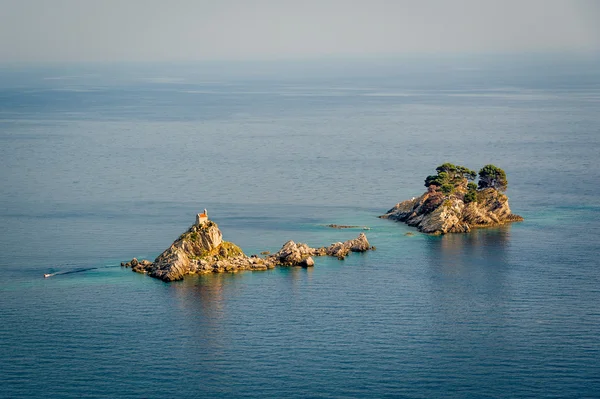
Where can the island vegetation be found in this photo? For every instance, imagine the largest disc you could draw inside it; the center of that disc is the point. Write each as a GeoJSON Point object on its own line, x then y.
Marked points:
{"type": "Point", "coordinates": [454, 203]}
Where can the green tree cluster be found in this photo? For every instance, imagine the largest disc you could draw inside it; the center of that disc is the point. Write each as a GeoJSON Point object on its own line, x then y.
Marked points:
{"type": "Point", "coordinates": [456, 171]}
{"type": "Point", "coordinates": [471, 195]}
{"type": "Point", "coordinates": [449, 176]}
{"type": "Point", "coordinates": [491, 176]}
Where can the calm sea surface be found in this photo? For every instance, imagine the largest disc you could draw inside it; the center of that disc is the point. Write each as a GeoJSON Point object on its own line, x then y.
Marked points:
{"type": "Point", "coordinates": [99, 164]}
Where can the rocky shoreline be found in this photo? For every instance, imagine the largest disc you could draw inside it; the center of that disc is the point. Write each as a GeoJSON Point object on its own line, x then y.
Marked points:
{"type": "Point", "coordinates": [436, 215]}
{"type": "Point", "coordinates": [454, 205]}
{"type": "Point", "coordinates": [201, 249]}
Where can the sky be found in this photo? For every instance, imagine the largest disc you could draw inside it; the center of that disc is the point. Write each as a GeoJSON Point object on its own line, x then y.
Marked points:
{"type": "Point", "coordinates": [187, 30]}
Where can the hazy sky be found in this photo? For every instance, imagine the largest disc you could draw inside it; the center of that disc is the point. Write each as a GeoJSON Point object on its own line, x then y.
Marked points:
{"type": "Point", "coordinates": [132, 30]}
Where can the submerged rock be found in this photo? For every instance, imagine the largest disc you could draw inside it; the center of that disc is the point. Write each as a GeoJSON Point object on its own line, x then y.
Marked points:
{"type": "Point", "coordinates": [343, 226]}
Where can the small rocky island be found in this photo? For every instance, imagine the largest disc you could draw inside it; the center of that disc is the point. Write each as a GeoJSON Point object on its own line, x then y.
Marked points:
{"type": "Point", "coordinates": [201, 249]}
{"type": "Point", "coordinates": [454, 203]}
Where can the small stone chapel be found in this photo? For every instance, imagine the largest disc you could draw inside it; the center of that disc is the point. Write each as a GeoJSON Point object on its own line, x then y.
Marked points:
{"type": "Point", "coordinates": [201, 218]}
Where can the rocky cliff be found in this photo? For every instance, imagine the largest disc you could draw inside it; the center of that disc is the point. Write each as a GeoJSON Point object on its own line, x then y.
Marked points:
{"type": "Point", "coordinates": [437, 213]}
{"type": "Point", "coordinates": [201, 249]}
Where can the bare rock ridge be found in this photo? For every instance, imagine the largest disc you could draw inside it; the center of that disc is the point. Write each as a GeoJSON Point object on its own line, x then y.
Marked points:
{"type": "Point", "coordinates": [292, 254]}
{"type": "Point", "coordinates": [454, 205]}
{"type": "Point", "coordinates": [201, 249]}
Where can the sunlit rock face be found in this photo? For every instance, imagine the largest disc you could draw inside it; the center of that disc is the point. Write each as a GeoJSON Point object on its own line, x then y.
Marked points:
{"type": "Point", "coordinates": [436, 213]}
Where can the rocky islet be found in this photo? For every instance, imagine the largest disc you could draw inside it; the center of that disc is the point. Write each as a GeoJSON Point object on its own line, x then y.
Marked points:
{"type": "Point", "coordinates": [453, 204]}
{"type": "Point", "coordinates": [201, 249]}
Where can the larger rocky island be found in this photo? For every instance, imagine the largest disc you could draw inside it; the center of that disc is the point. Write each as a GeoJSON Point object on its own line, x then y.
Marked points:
{"type": "Point", "coordinates": [201, 249]}
{"type": "Point", "coordinates": [453, 203]}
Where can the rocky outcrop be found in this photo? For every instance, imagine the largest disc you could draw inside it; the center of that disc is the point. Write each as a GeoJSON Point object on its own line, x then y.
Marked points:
{"type": "Point", "coordinates": [308, 262]}
{"type": "Point", "coordinates": [341, 249]}
{"type": "Point", "coordinates": [292, 254]}
{"type": "Point", "coordinates": [436, 213]}
{"type": "Point", "coordinates": [201, 249]}
{"type": "Point", "coordinates": [200, 241]}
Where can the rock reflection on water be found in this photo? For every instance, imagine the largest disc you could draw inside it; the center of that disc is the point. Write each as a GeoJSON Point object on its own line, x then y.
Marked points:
{"type": "Point", "coordinates": [297, 277]}
{"type": "Point", "coordinates": [203, 302]}
{"type": "Point", "coordinates": [470, 280]}
{"type": "Point", "coordinates": [209, 302]}
{"type": "Point", "coordinates": [485, 247]}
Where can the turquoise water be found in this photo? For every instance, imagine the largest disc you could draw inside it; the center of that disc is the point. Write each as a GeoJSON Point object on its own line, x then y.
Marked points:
{"type": "Point", "coordinates": [103, 164]}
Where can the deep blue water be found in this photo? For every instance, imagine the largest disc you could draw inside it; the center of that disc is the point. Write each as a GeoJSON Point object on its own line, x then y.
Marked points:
{"type": "Point", "coordinates": [102, 163]}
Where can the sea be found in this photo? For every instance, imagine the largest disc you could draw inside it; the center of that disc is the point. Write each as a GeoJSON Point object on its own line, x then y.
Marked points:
{"type": "Point", "coordinates": [100, 163]}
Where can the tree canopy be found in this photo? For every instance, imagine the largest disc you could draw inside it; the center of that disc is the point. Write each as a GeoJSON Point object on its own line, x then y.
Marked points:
{"type": "Point", "coordinates": [491, 176]}
{"type": "Point", "coordinates": [456, 171]}
{"type": "Point", "coordinates": [450, 174]}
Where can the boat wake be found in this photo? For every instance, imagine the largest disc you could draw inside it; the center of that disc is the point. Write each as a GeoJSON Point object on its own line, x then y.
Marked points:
{"type": "Point", "coordinates": [46, 275]}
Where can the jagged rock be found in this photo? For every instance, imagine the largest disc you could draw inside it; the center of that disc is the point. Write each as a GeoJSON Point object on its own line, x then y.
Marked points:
{"type": "Point", "coordinates": [308, 262]}
{"type": "Point", "coordinates": [200, 240]}
{"type": "Point", "coordinates": [360, 244]}
{"type": "Point", "coordinates": [337, 249]}
{"type": "Point", "coordinates": [289, 253]}
{"type": "Point", "coordinates": [341, 249]}
{"type": "Point", "coordinates": [141, 267]}
{"type": "Point", "coordinates": [435, 213]}
{"type": "Point", "coordinates": [292, 254]}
